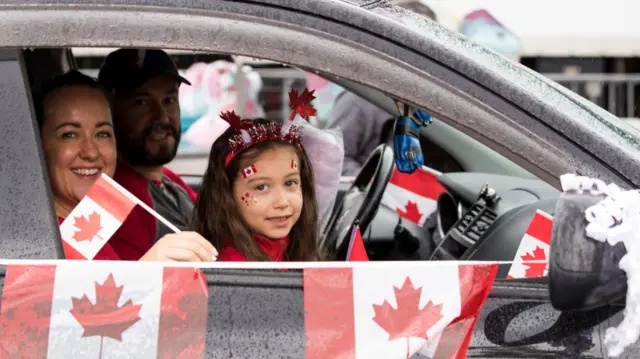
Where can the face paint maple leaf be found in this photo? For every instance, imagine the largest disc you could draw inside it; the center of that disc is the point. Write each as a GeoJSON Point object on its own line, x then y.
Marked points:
{"type": "Point", "coordinates": [410, 212]}
{"type": "Point", "coordinates": [535, 269]}
{"type": "Point", "coordinates": [87, 228]}
{"type": "Point", "coordinates": [105, 318]}
{"type": "Point", "coordinates": [408, 320]}
{"type": "Point", "coordinates": [301, 105]}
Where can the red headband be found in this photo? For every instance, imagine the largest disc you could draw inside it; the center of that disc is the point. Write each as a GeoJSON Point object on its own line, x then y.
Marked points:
{"type": "Point", "coordinates": [248, 133]}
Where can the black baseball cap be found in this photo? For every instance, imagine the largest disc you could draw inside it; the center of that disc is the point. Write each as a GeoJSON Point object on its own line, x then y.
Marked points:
{"type": "Point", "coordinates": [125, 70]}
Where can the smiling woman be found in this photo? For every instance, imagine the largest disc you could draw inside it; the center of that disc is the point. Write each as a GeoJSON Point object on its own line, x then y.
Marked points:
{"type": "Point", "coordinates": [78, 139]}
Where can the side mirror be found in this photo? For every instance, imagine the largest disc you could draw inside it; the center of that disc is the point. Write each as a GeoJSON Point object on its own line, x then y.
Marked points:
{"type": "Point", "coordinates": [583, 273]}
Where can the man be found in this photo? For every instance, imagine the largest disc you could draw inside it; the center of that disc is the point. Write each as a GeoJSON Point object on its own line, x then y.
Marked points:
{"type": "Point", "coordinates": [350, 110]}
{"type": "Point", "coordinates": [144, 88]}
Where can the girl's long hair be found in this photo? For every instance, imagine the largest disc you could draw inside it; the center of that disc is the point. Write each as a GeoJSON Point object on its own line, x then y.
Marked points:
{"type": "Point", "coordinates": [217, 218]}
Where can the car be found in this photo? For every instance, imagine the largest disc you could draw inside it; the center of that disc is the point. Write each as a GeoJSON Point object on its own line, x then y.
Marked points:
{"type": "Point", "coordinates": [506, 126]}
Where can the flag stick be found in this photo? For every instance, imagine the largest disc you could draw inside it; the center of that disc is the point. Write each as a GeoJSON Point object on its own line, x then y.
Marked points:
{"type": "Point", "coordinates": [140, 203]}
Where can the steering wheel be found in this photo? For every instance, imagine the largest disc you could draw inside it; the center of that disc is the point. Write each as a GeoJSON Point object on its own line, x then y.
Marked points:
{"type": "Point", "coordinates": [360, 203]}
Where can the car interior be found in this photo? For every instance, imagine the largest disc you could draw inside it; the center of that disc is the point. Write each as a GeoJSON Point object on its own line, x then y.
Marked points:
{"type": "Point", "coordinates": [465, 225]}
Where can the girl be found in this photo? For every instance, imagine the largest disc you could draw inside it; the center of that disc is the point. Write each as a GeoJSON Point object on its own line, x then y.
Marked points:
{"type": "Point", "coordinates": [258, 201]}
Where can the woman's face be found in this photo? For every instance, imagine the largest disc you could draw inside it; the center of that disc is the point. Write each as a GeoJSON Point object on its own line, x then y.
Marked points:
{"type": "Point", "coordinates": [78, 141]}
{"type": "Point", "coordinates": [268, 193]}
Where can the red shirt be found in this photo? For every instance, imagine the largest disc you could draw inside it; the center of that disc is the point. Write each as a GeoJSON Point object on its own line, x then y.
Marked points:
{"type": "Point", "coordinates": [106, 253]}
{"type": "Point", "coordinates": [273, 248]}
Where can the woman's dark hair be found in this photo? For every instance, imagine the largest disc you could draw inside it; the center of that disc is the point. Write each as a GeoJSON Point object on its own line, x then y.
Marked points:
{"type": "Point", "coordinates": [71, 78]}
{"type": "Point", "coordinates": [217, 218]}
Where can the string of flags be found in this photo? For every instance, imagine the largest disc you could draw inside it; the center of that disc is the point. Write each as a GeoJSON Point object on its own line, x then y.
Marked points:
{"type": "Point", "coordinates": [54, 309]}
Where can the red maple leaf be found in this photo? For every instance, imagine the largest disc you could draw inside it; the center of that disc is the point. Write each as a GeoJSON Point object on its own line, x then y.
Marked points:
{"type": "Point", "coordinates": [105, 318]}
{"type": "Point", "coordinates": [234, 120]}
{"type": "Point", "coordinates": [87, 228]}
{"type": "Point", "coordinates": [408, 320]}
{"type": "Point", "coordinates": [301, 105]}
{"type": "Point", "coordinates": [410, 212]}
{"type": "Point", "coordinates": [535, 269]}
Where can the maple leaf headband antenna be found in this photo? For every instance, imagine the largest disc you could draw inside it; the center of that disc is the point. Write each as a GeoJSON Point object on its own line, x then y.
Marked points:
{"type": "Point", "coordinates": [249, 134]}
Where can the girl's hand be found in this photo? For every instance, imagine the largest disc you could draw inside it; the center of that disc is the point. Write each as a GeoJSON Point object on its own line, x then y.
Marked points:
{"type": "Point", "coordinates": [181, 247]}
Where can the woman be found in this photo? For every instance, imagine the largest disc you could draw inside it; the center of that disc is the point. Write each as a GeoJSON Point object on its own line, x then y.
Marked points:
{"type": "Point", "coordinates": [79, 145]}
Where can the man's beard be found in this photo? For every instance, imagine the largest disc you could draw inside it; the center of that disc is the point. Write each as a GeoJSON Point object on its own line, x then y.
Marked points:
{"type": "Point", "coordinates": [135, 152]}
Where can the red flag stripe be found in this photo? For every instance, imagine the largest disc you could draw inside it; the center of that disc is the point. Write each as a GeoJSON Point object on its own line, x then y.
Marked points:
{"type": "Point", "coordinates": [183, 314]}
{"type": "Point", "coordinates": [475, 285]}
{"type": "Point", "coordinates": [454, 336]}
{"type": "Point", "coordinates": [71, 253]}
{"type": "Point", "coordinates": [540, 227]}
{"type": "Point", "coordinates": [329, 319]}
{"type": "Point", "coordinates": [420, 182]}
{"type": "Point", "coordinates": [357, 252]}
{"type": "Point", "coordinates": [112, 200]}
{"type": "Point", "coordinates": [26, 311]}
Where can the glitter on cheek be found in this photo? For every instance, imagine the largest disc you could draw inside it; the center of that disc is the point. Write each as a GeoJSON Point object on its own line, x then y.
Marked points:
{"type": "Point", "coordinates": [248, 199]}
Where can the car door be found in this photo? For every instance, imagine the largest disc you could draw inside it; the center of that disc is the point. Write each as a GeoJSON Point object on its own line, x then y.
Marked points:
{"type": "Point", "coordinates": [258, 314]}
{"type": "Point", "coordinates": [517, 321]}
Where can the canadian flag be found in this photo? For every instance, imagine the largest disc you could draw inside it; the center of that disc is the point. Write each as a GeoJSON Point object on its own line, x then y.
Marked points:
{"type": "Point", "coordinates": [357, 251]}
{"type": "Point", "coordinates": [95, 219]}
{"type": "Point", "coordinates": [249, 171]}
{"type": "Point", "coordinates": [399, 312]}
{"type": "Point", "coordinates": [73, 310]}
{"type": "Point", "coordinates": [534, 246]}
{"type": "Point", "coordinates": [413, 195]}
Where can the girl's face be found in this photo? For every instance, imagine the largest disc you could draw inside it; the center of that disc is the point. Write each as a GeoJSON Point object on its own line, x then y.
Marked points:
{"type": "Point", "coordinates": [268, 193]}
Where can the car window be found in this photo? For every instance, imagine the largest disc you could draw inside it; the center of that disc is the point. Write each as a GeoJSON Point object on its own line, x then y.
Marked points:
{"type": "Point", "coordinates": [263, 86]}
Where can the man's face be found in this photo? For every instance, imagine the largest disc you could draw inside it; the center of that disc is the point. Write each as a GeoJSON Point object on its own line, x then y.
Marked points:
{"type": "Point", "coordinates": [147, 122]}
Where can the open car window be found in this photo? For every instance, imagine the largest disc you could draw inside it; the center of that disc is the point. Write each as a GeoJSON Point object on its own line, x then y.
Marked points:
{"type": "Point", "coordinates": [438, 204]}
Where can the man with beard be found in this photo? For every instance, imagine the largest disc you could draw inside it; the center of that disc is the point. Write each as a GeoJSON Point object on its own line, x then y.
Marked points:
{"type": "Point", "coordinates": [146, 114]}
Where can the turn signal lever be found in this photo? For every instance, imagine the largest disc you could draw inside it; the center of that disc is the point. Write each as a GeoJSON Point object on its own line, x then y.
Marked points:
{"type": "Point", "coordinates": [407, 242]}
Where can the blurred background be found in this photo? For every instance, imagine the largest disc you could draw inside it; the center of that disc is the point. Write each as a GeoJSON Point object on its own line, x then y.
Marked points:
{"type": "Point", "coordinates": [592, 48]}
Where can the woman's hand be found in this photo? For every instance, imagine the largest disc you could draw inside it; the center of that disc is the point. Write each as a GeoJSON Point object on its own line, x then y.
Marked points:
{"type": "Point", "coordinates": [181, 247]}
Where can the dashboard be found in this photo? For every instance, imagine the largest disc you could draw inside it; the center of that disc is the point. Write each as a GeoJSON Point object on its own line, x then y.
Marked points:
{"type": "Point", "coordinates": [466, 225]}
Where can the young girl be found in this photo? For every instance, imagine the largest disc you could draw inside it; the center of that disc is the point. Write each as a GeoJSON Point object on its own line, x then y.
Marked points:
{"type": "Point", "coordinates": [258, 201]}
